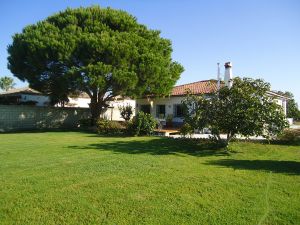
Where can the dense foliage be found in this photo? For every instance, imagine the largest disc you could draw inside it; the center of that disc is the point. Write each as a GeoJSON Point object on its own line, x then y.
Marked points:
{"type": "Point", "coordinates": [6, 83]}
{"type": "Point", "coordinates": [109, 127]}
{"type": "Point", "coordinates": [126, 112]}
{"type": "Point", "coordinates": [100, 51]}
{"type": "Point", "coordinates": [84, 123]}
{"type": "Point", "coordinates": [292, 109]}
{"type": "Point", "coordinates": [186, 130]}
{"type": "Point", "coordinates": [244, 109]}
{"type": "Point", "coordinates": [290, 136]}
{"type": "Point", "coordinates": [142, 124]}
{"type": "Point", "coordinates": [292, 106]}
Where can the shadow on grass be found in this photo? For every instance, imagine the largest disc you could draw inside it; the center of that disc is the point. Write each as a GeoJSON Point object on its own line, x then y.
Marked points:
{"type": "Point", "coordinates": [160, 146]}
{"type": "Point", "coordinates": [287, 167]}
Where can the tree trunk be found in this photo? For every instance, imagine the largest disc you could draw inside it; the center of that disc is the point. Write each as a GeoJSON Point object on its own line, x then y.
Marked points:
{"type": "Point", "coordinates": [228, 139]}
{"type": "Point", "coordinates": [98, 105]}
{"type": "Point", "coordinates": [96, 110]}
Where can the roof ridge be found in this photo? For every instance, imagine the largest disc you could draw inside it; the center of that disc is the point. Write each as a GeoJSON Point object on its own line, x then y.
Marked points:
{"type": "Point", "coordinates": [200, 81]}
{"type": "Point", "coordinates": [21, 89]}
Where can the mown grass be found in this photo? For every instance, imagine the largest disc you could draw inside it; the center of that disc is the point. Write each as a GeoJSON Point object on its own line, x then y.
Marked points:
{"type": "Point", "coordinates": [80, 178]}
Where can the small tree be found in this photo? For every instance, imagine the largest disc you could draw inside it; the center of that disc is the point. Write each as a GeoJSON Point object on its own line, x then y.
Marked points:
{"type": "Point", "coordinates": [6, 83]}
{"type": "Point", "coordinates": [126, 112]}
{"type": "Point", "coordinates": [245, 109]}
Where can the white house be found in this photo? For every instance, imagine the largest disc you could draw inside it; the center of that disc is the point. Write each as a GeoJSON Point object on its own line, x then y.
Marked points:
{"type": "Point", "coordinates": [24, 95]}
{"type": "Point", "coordinates": [171, 106]}
{"type": "Point", "coordinates": [29, 96]}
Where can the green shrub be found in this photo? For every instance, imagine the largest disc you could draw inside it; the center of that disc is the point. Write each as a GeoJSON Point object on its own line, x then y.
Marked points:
{"type": "Point", "coordinates": [126, 112]}
{"type": "Point", "coordinates": [84, 123]}
{"type": "Point", "coordinates": [109, 127]}
{"type": "Point", "coordinates": [186, 129]}
{"type": "Point", "coordinates": [290, 135]}
{"type": "Point", "coordinates": [142, 124]}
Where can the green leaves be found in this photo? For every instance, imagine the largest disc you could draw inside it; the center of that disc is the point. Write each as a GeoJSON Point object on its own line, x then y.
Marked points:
{"type": "Point", "coordinates": [6, 83]}
{"type": "Point", "coordinates": [93, 50]}
{"type": "Point", "coordinates": [245, 109]}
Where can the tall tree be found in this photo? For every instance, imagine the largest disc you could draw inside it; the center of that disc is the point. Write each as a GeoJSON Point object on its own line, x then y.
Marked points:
{"type": "Point", "coordinates": [292, 109]}
{"type": "Point", "coordinates": [6, 83]}
{"type": "Point", "coordinates": [244, 109]}
{"type": "Point", "coordinates": [100, 51]}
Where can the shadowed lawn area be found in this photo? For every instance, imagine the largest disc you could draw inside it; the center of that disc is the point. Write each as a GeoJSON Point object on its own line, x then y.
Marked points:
{"type": "Point", "coordinates": [81, 178]}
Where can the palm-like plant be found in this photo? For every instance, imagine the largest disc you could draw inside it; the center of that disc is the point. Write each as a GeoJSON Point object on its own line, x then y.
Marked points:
{"type": "Point", "coordinates": [6, 83]}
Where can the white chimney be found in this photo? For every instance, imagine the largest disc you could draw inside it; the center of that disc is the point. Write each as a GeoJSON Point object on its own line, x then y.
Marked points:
{"type": "Point", "coordinates": [228, 75]}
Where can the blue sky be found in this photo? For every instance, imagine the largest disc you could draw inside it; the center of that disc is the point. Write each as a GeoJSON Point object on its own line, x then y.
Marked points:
{"type": "Point", "coordinates": [260, 37]}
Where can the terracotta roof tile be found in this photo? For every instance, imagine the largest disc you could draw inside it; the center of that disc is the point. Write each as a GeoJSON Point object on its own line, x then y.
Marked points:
{"type": "Point", "coordinates": [199, 87]}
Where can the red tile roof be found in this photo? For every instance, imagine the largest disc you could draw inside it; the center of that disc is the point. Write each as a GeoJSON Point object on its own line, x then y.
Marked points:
{"type": "Point", "coordinates": [199, 87]}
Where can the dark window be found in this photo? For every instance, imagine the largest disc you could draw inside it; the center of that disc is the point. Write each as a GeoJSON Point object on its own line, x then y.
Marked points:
{"type": "Point", "coordinates": [160, 111]}
{"type": "Point", "coordinates": [145, 108]}
{"type": "Point", "coordinates": [178, 110]}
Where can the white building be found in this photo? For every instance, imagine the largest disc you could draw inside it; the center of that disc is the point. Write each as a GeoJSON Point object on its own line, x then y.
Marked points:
{"type": "Point", "coordinates": [29, 96]}
{"type": "Point", "coordinates": [171, 106]}
{"type": "Point", "coordinates": [24, 95]}
{"type": "Point", "coordinates": [113, 111]}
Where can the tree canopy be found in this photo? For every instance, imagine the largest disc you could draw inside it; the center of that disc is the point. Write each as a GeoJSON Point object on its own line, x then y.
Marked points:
{"type": "Point", "coordinates": [246, 109]}
{"type": "Point", "coordinates": [292, 106]}
{"type": "Point", "coordinates": [6, 83]}
{"type": "Point", "coordinates": [100, 51]}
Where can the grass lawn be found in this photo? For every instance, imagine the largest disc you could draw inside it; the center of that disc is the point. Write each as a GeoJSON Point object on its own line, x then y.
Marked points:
{"type": "Point", "coordinates": [80, 178]}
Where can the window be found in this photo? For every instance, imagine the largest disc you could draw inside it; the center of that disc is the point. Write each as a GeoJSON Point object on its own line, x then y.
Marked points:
{"type": "Point", "coordinates": [145, 108]}
{"type": "Point", "coordinates": [160, 111]}
{"type": "Point", "coordinates": [178, 110]}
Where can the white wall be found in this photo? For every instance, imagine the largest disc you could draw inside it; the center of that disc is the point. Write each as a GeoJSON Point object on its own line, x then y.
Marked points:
{"type": "Point", "coordinates": [40, 99]}
{"type": "Point", "coordinates": [114, 113]}
{"type": "Point", "coordinates": [111, 113]}
{"type": "Point", "coordinates": [78, 102]}
{"type": "Point", "coordinates": [282, 103]}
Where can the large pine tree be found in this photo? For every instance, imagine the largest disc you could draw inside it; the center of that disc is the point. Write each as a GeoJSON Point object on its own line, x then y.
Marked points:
{"type": "Point", "coordinates": [100, 51]}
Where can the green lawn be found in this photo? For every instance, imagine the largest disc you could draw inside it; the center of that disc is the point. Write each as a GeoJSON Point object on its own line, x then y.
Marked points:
{"type": "Point", "coordinates": [80, 178]}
